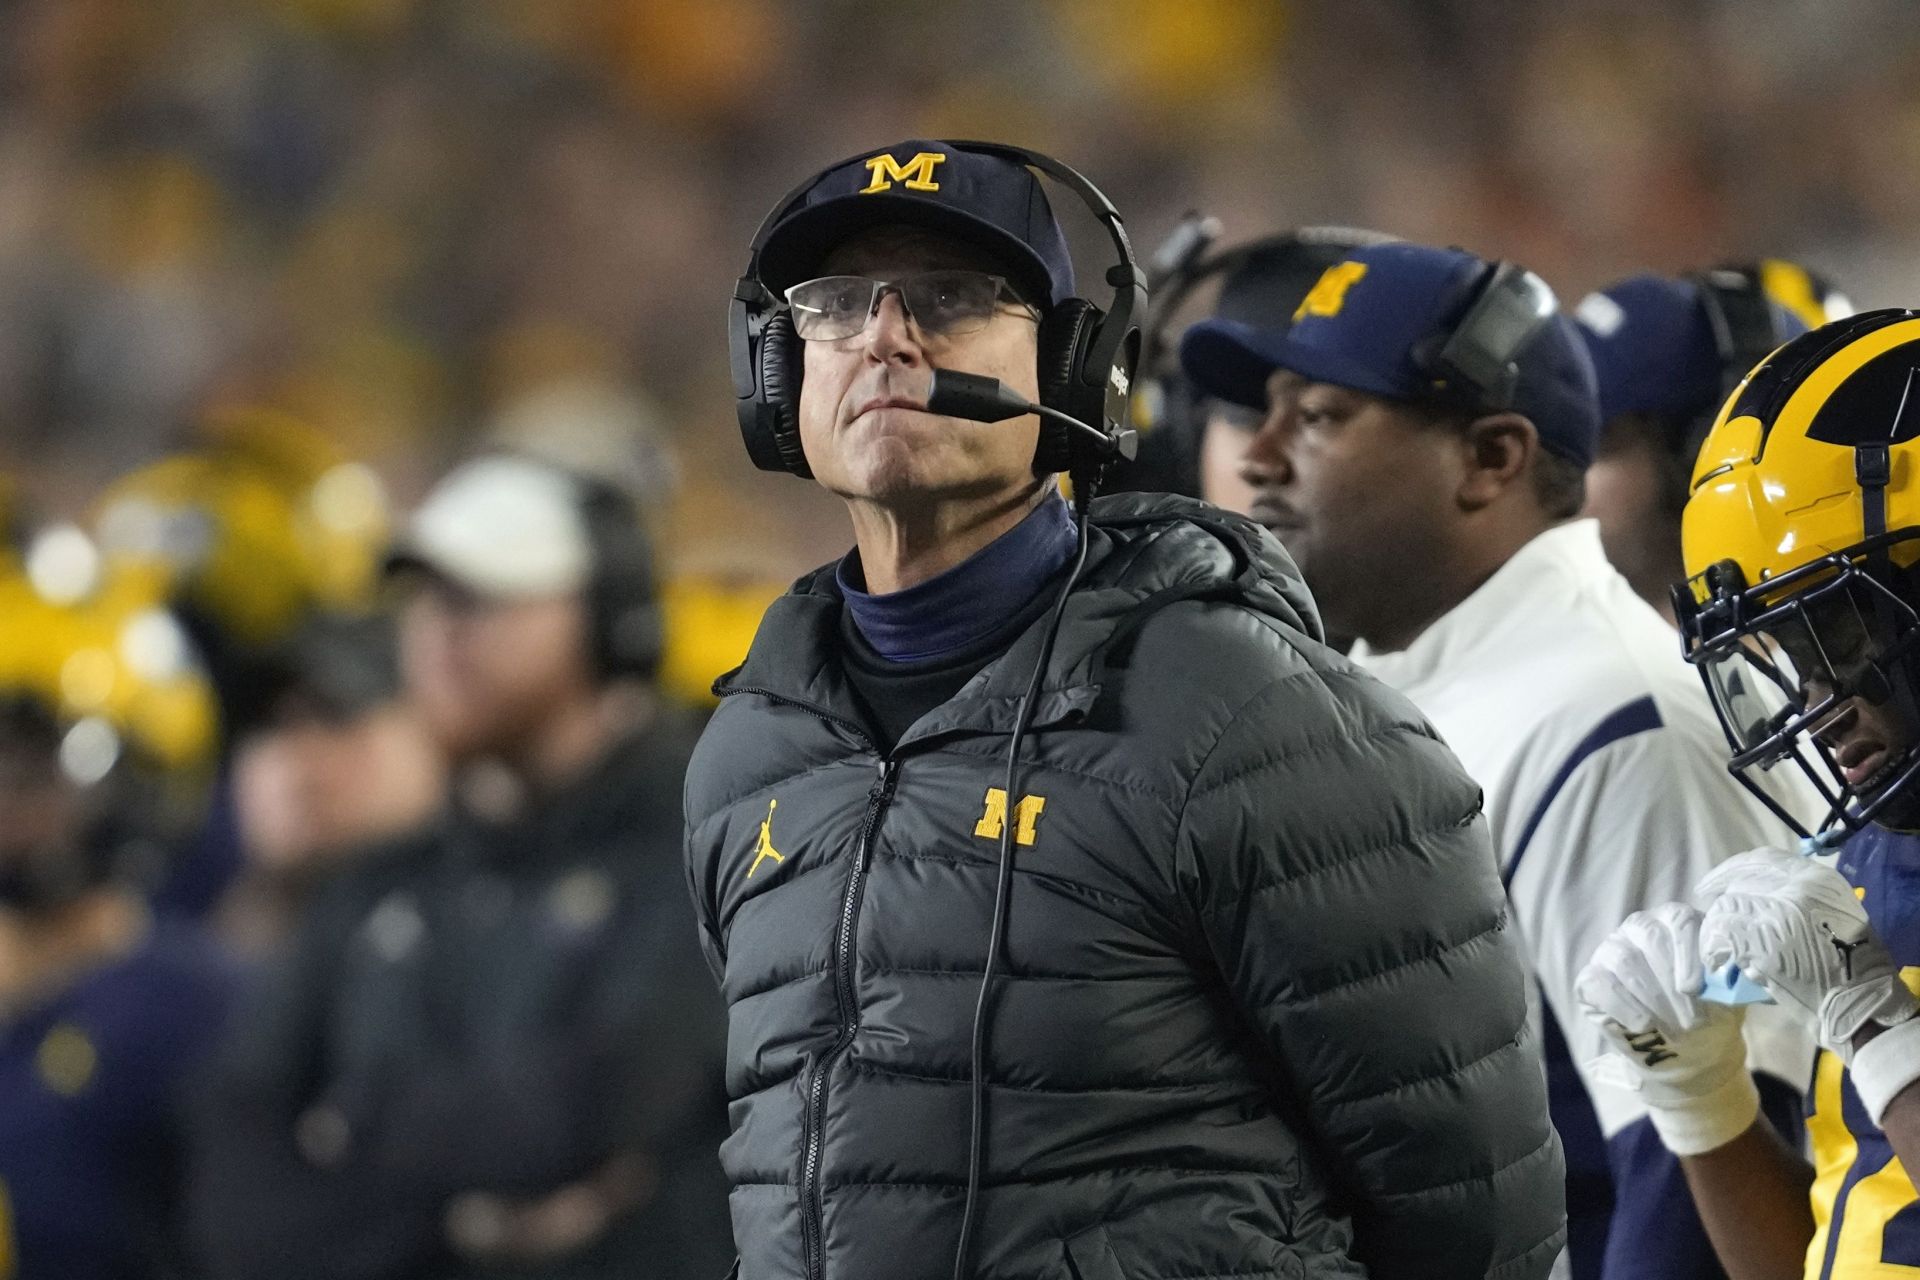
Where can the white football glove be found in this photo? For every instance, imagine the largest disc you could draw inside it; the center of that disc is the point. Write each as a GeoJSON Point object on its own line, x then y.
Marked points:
{"type": "Point", "coordinates": [1682, 1055]}
{"type": "Point", "coordinates": [1795, 926]}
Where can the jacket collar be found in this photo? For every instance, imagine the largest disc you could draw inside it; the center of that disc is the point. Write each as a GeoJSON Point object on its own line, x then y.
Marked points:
{"type": "Point", "coordinates": [795, 659]}
{"type": "Point", "coordinates": [1143, 552]}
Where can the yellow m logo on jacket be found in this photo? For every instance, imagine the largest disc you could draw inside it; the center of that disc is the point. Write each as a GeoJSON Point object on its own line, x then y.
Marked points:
{"type": "Point", "coordinates": [915, 175]}
{"type": "Point", "coordinates": [1026, 817]}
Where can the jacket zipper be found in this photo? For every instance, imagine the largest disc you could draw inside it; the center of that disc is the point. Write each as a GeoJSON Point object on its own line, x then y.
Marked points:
{"type": "Point", "coordinates": [812, 1205]}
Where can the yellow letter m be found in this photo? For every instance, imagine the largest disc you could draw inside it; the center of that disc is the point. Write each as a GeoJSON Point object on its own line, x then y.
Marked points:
{"type": "Point", "coordinates": [916, 174]}
{"type": "Point", "coordinates": [1329, 292]}
{"type": "Point", "coordinates": [1026, 817]}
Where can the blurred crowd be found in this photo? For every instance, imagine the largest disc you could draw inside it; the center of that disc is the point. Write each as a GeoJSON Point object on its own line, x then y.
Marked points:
{"type": "Point", "coordinates": [376, 519]}
{"type": "Point", "coordinates": [412, 221]}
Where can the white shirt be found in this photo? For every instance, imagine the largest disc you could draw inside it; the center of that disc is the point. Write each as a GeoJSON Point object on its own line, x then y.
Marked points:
{"type": "Point", "coordinates": [1605, 770]}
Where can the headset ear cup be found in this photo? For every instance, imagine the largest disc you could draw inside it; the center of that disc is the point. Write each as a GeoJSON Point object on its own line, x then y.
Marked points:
{"type": "Point", "coordinates": [780, 365]}
{"type": "Point", "coordinates": [1065, 334]}
{"type": "Point", "coordinates": [622, 600]}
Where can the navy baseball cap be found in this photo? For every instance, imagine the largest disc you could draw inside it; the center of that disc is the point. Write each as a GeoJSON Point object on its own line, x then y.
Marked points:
{"type": "Point", "coordinates": [1265, 289]}
{"type": "Point", "coordinates": [1368, 323]}
{"type": "Point", "coordinates": [985, 200]}
{"type": "Point", "coordinates": [1653, 347]}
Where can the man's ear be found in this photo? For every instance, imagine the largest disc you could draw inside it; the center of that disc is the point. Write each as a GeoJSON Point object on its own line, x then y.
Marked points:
{"type": "Point", "coordinates": [1498, 451]}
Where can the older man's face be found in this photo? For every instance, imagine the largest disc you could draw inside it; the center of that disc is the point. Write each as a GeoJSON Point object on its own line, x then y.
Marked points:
{"type": "Point", "coordinates": [867, 436]}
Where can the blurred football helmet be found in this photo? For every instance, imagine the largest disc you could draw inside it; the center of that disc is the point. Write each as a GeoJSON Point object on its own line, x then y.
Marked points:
{"type": "Point", "coordinates": [107, 729]}
{"type": "Point", "coordinates": [1806, 293]}
{"type": "Point", "coordinates": [1801, 538]}
{"type": "Point", "coordinates": [248, 535]}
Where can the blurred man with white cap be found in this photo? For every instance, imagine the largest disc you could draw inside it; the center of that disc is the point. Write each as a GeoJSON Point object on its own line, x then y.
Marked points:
{"type": "Point", "coordinates": [502, 645]}
{"type": "Point", "coordinates": [493, 1050]}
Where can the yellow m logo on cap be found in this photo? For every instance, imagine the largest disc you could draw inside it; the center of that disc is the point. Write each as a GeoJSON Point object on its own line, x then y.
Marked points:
{"type": "Point", "coordinates": [1329, 292]}
{"type": "Point", "coordinates": [915, 175]}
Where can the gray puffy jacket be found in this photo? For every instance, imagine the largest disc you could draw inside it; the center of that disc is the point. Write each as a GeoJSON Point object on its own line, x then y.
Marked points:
{"type": "Point", "coordinates": [1262, 1014]}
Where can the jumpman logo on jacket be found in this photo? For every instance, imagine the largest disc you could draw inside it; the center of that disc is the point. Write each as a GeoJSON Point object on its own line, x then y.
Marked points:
{"type": "Point", "coordinates": [765, 848]}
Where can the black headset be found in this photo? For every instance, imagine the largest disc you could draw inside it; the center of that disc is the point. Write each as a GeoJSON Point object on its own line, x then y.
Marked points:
{"type": "Point", "coordinates": [1741, 316]}
{"type": "Point", "coordinates": [623, 608]}
{"type": "Point", "coordinates": [1086, 356]}
{"type": "Point", "coordinates": [1474, 363]}
{"type": "Point", "coordinates": [1746, 329]}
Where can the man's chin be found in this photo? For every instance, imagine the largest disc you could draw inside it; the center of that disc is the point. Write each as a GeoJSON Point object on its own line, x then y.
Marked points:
{"type": "Point", "coordinates": [892, 480]}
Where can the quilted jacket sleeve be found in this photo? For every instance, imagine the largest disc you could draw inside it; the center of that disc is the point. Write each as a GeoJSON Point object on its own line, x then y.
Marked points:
{"type": "Point", "coordinates": [1335, 854]}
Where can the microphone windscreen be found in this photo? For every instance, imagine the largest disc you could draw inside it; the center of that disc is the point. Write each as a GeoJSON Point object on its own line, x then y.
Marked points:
{"type": "Point", "coordinates": [974, 396]}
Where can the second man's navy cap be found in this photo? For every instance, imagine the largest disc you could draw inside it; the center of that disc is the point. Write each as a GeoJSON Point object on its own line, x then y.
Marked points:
{"type": "Point", "coordinates": [1366, 325]}
{"type": "Point", "coordinates": [1653, 347]}
{"type": "Point", "coordinates": [983, 199]}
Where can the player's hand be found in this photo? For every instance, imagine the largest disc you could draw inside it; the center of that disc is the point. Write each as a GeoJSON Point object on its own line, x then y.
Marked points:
{"type": "Point", "coordinates": [1682, 1055]}
{"type": "Point", "coordinates": [1796, 927]}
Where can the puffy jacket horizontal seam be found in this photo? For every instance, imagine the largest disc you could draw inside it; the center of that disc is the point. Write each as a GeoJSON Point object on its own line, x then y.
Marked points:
{"type": "Point", "coordinates": [1399, 966]}
{"type": "Point", "coordinates": [1396, 843]}
{"type": "Point", "coordinates": [1273, 687]}
{"type": "Point", "coordinates": [775, 986]}
{"type": "Point", "coordinates": [1106, 1171]}
{"type": "Point", "coordinates": [865, 1069]}
{"type": "Point", "coordinates": [1131, 787]}
{"type": "Point", "coordinates": [1319, 745]}
{"type": "Point", "coordinates": [1472, 1180]}
{"type": "Point", "coordinates": [1551, 1241]}
{"type": "Point", "coordinates": [1451, 1072]}
{"type": "Point", "coordinates": [827, 864]}
{"type": "Point", "coordinates": [719, 808]}
{"type": "Point", "coordinates": [1027, 975]}
{"type": "Point", "coordinates": [770, 1083]}
{"type": "Point", "coordinates": [983, 864]}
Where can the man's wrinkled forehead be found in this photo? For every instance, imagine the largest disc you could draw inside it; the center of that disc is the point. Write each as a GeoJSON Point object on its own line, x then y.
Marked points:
{"type": "Point", "coordinates": [895, 250]}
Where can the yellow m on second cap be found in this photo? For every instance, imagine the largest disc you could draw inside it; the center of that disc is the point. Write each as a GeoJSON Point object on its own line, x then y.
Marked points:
{"type": "Point", "coordinates": [1329, 292]}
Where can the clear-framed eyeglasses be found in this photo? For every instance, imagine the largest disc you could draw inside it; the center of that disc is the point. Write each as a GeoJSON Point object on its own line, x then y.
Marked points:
{"type": "Point", "coordinates": [942, 304]}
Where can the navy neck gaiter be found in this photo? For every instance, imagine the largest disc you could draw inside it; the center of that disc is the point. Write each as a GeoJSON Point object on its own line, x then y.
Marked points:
{"type": "Point", "coordinates": [958, 608]}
